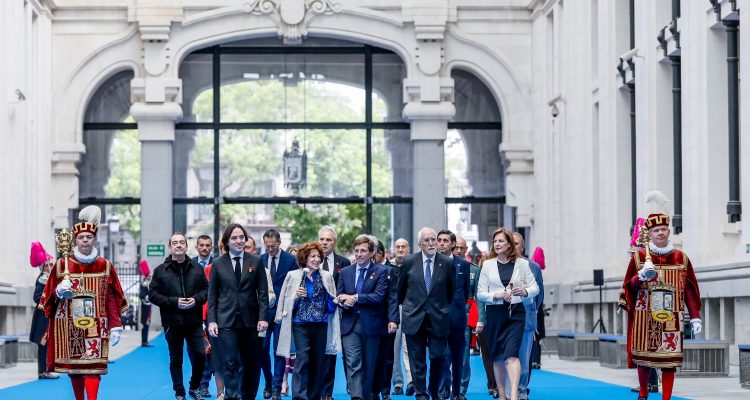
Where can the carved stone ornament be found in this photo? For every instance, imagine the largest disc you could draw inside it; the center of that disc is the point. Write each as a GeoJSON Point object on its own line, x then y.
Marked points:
{"type": "Point", "coordinates": [292, 16]}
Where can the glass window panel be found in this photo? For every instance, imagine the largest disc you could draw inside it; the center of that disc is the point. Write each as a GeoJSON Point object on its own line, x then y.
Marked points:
{"type": "Point", "coordinates": [392, 163]}
{"type": "Point", "coordinates": [476, 222]}
{"type": "Point", "coordinates": [111, 165]}
{"type": "Point", "coordinates": [194, 220]}
{"type": "Point", "coordinates": [391, 222]}
{"type": "Point", "coordinates": [388, 73]}
{"type": "Point", "coordinates": [252, 162]}
{"type": "Point", "coordinates": [474, 101]}
{"type": "Point", "coordinates": [472, 163]}
{"type": "Point", "coordinates": [298, 223]}
{"type": "Point", "coordinates": [111, 101]}
{"type": "Point", "coordinates": [193, 163]}
{"type": "Point", "coordinates": [292, 88]}
{"type": "Point", "coordinates": [196, 72]}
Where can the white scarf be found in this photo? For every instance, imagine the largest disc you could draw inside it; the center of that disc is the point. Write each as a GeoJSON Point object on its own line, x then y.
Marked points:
{"type": "Point", "coordinates": [83, 259]}
{"type": "Point", "coordinates": [661, 250]}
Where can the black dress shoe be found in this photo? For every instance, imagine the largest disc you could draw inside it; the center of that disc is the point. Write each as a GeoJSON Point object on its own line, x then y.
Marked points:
{"type": "Point", "coordinates": [276, 395]}
{"type": "Point", "coordinates": [266, 393]}
{"type": "Point", "coordinates": [410, 390]}
{"type": "Point", "coordinates": [49, 375]}
{"type": "Point", "coordinates": [461, 397]}
{"type": "Point", "coordinates": [642, 397]}
{"type": "Point", "coordinates": [147, 345]}
{"type": "Point", "coordinates": [495, 394]}
{"type": "Point", "coordinates": [398, 391]}
{"type": "Point", "coordinates": [385, 396]}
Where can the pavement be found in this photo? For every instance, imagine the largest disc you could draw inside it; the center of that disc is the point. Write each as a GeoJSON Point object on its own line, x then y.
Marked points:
{"type": "Point", "coordinates": [26, 371]}
{"type": "Point", "coordinates": [724, 388]}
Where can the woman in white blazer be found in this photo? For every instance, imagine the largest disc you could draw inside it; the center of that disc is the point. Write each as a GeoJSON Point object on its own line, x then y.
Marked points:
{"type": "Point", "coordinates": [308, 314]}
{"type": "Point", "coordinates": [504, 284]}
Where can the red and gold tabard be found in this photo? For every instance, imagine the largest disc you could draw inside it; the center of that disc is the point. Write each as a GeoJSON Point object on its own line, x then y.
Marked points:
{"type": "Point", "coordinates": [656, 308]}
{"type": "Point", "coordinates": [79, 327]}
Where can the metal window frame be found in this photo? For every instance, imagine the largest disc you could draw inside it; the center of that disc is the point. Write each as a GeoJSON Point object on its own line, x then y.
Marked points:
{"type": "Point", "coordinates": [367, 125]}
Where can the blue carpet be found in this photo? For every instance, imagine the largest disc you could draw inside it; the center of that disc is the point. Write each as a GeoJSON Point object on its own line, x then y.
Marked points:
{"type": "Point", "coordinates": [143, 374]}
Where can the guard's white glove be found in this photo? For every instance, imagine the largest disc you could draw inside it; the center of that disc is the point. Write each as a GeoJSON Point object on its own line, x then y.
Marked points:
{"type": "Point", "coordinates": [114, 336]}
{"type": "Point", "coordinates": [697, 325]}
{"type": "Point", "coordinates": [647, 272]}
{"type": "Point", "coordinates": [63, 289]}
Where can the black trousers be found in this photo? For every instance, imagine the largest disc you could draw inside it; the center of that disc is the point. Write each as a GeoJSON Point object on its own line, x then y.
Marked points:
{"type": "Point", "coordinates": [417, 349]}
{"type": "Point", "coordinates": [41, 359]}
{"type": "Point", "coordinates": [193, 336]}
{"type": "Point", "coordinates": [309, 368]}
{"type": "Point", "coordinates": [145, 317]}
{"type": "Point", "coordinates": [453, 364]}
{"type": "Point", "coordinates": [239, 346]}
{"type": "Point", "coordinates": [329, 375]}
{"type": "Point", "coordinates": [384, 365]}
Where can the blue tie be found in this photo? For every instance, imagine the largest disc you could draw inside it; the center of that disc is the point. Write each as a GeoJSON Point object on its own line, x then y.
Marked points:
{"type": "Point", "coordinates": [428, 275]}
{"type": "Point", "coordinates": [360, 280]}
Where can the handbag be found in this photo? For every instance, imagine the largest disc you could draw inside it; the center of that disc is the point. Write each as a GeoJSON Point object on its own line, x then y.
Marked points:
{"type": "Point", "coordinates": [473, 313]}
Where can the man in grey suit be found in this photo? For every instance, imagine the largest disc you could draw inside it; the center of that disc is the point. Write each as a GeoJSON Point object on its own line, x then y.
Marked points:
{"type": "Point", "coordinates": [425, 290]}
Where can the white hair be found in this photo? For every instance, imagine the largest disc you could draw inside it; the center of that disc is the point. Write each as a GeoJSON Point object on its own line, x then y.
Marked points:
{"type": "Point", "coordinates": [424, 230]}
{"type": "Point", "coordinates": [329, 228]}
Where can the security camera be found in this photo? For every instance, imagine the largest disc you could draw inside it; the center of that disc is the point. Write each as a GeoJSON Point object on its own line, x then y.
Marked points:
{"type": "Point", "coordinates": [20, 95]}
{"type": "Point", "coordinates": [555, 111]}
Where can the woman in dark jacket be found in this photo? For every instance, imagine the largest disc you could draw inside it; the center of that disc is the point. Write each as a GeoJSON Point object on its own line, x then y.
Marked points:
{"type": "Point", "coordinates": [39, 324]}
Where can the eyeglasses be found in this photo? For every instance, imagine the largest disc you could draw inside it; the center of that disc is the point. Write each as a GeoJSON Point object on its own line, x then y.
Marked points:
{"type": "Point", "coordinates": [429, 240]}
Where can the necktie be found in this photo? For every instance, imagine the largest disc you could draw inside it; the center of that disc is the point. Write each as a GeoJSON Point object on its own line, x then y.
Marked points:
{"type": "Point", "coordinates": [237, 269]}
{"type": "Point", "coordinates": [360, 279]}
{"type": "Point", "coordinates": [325, 264]}
{"type": "Point", "coordinates": [273, 267]}
{"type": "Point", "coordinates": [203, 263]}
{"type": "Point", "coordinates": [428, 275]}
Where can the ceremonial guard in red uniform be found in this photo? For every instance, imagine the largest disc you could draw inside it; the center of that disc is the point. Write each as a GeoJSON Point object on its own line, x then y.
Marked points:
{"type": "Point", "coordinates": [83, 299]}
{"type": "Point", "coordinates": [659, 284]}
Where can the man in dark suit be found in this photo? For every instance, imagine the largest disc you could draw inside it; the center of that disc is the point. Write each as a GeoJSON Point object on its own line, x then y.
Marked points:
{"type": "Point", "coordinates": [385, 360]}
{"type": "Point", "coordinates": [204, 245]}
{"type": "Point", "coordinates": [237, 311]}
{"type": "Point", "coordinates": [450, 385]}
{"type": "Point", "coordinates": [425, 291]}
{"type": "Point", "coordinates": [278, 263]}
{"type": "Point", "coordinates": [361, 291]}
{"type": "Point", "coordinates": [333, 262]}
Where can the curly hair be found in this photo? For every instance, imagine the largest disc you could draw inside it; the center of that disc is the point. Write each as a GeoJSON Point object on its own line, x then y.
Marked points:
{"type": "Point", "coordinates": [305, 250]}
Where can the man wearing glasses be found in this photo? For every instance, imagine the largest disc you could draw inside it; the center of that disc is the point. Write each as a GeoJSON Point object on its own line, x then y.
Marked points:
{"type": "Point", "coordinates": [179, 288]}
{"type": "Point", "coordinates": [425, 290]}
{"type": "Point", "coordinates": [278, 263]}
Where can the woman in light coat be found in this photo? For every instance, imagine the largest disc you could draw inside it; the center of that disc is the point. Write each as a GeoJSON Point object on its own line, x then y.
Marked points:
{"type": "Point", "coordinates": [506, 281]}
{"type": "Point", "coordinates": [307, 313]}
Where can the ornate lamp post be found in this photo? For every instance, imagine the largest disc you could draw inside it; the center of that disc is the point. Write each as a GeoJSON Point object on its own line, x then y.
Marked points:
{"type": "Point", "coordinates": [295, 168]}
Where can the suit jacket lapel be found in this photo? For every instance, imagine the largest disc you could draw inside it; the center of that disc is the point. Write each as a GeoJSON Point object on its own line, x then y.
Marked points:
{"type": "Point", "coordinates": [437, 264]}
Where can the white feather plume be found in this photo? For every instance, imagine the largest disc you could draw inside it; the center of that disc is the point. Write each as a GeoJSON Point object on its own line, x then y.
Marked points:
{"type": "Point", "coordinates": [91, 214]}
{"type": "Point", "coordinates": [657, 202]}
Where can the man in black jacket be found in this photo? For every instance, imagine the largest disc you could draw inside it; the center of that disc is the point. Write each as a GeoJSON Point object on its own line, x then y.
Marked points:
{"type": "Point", "coordinates": [179, 288]}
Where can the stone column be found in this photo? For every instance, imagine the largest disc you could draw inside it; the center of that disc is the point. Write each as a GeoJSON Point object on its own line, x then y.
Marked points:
{"type": "Point", "coordinates": [519, 181]}
{"type": "Point", "coordinates": [429, 109]}
{"type": "Point", "coordinates": [156, 130]}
